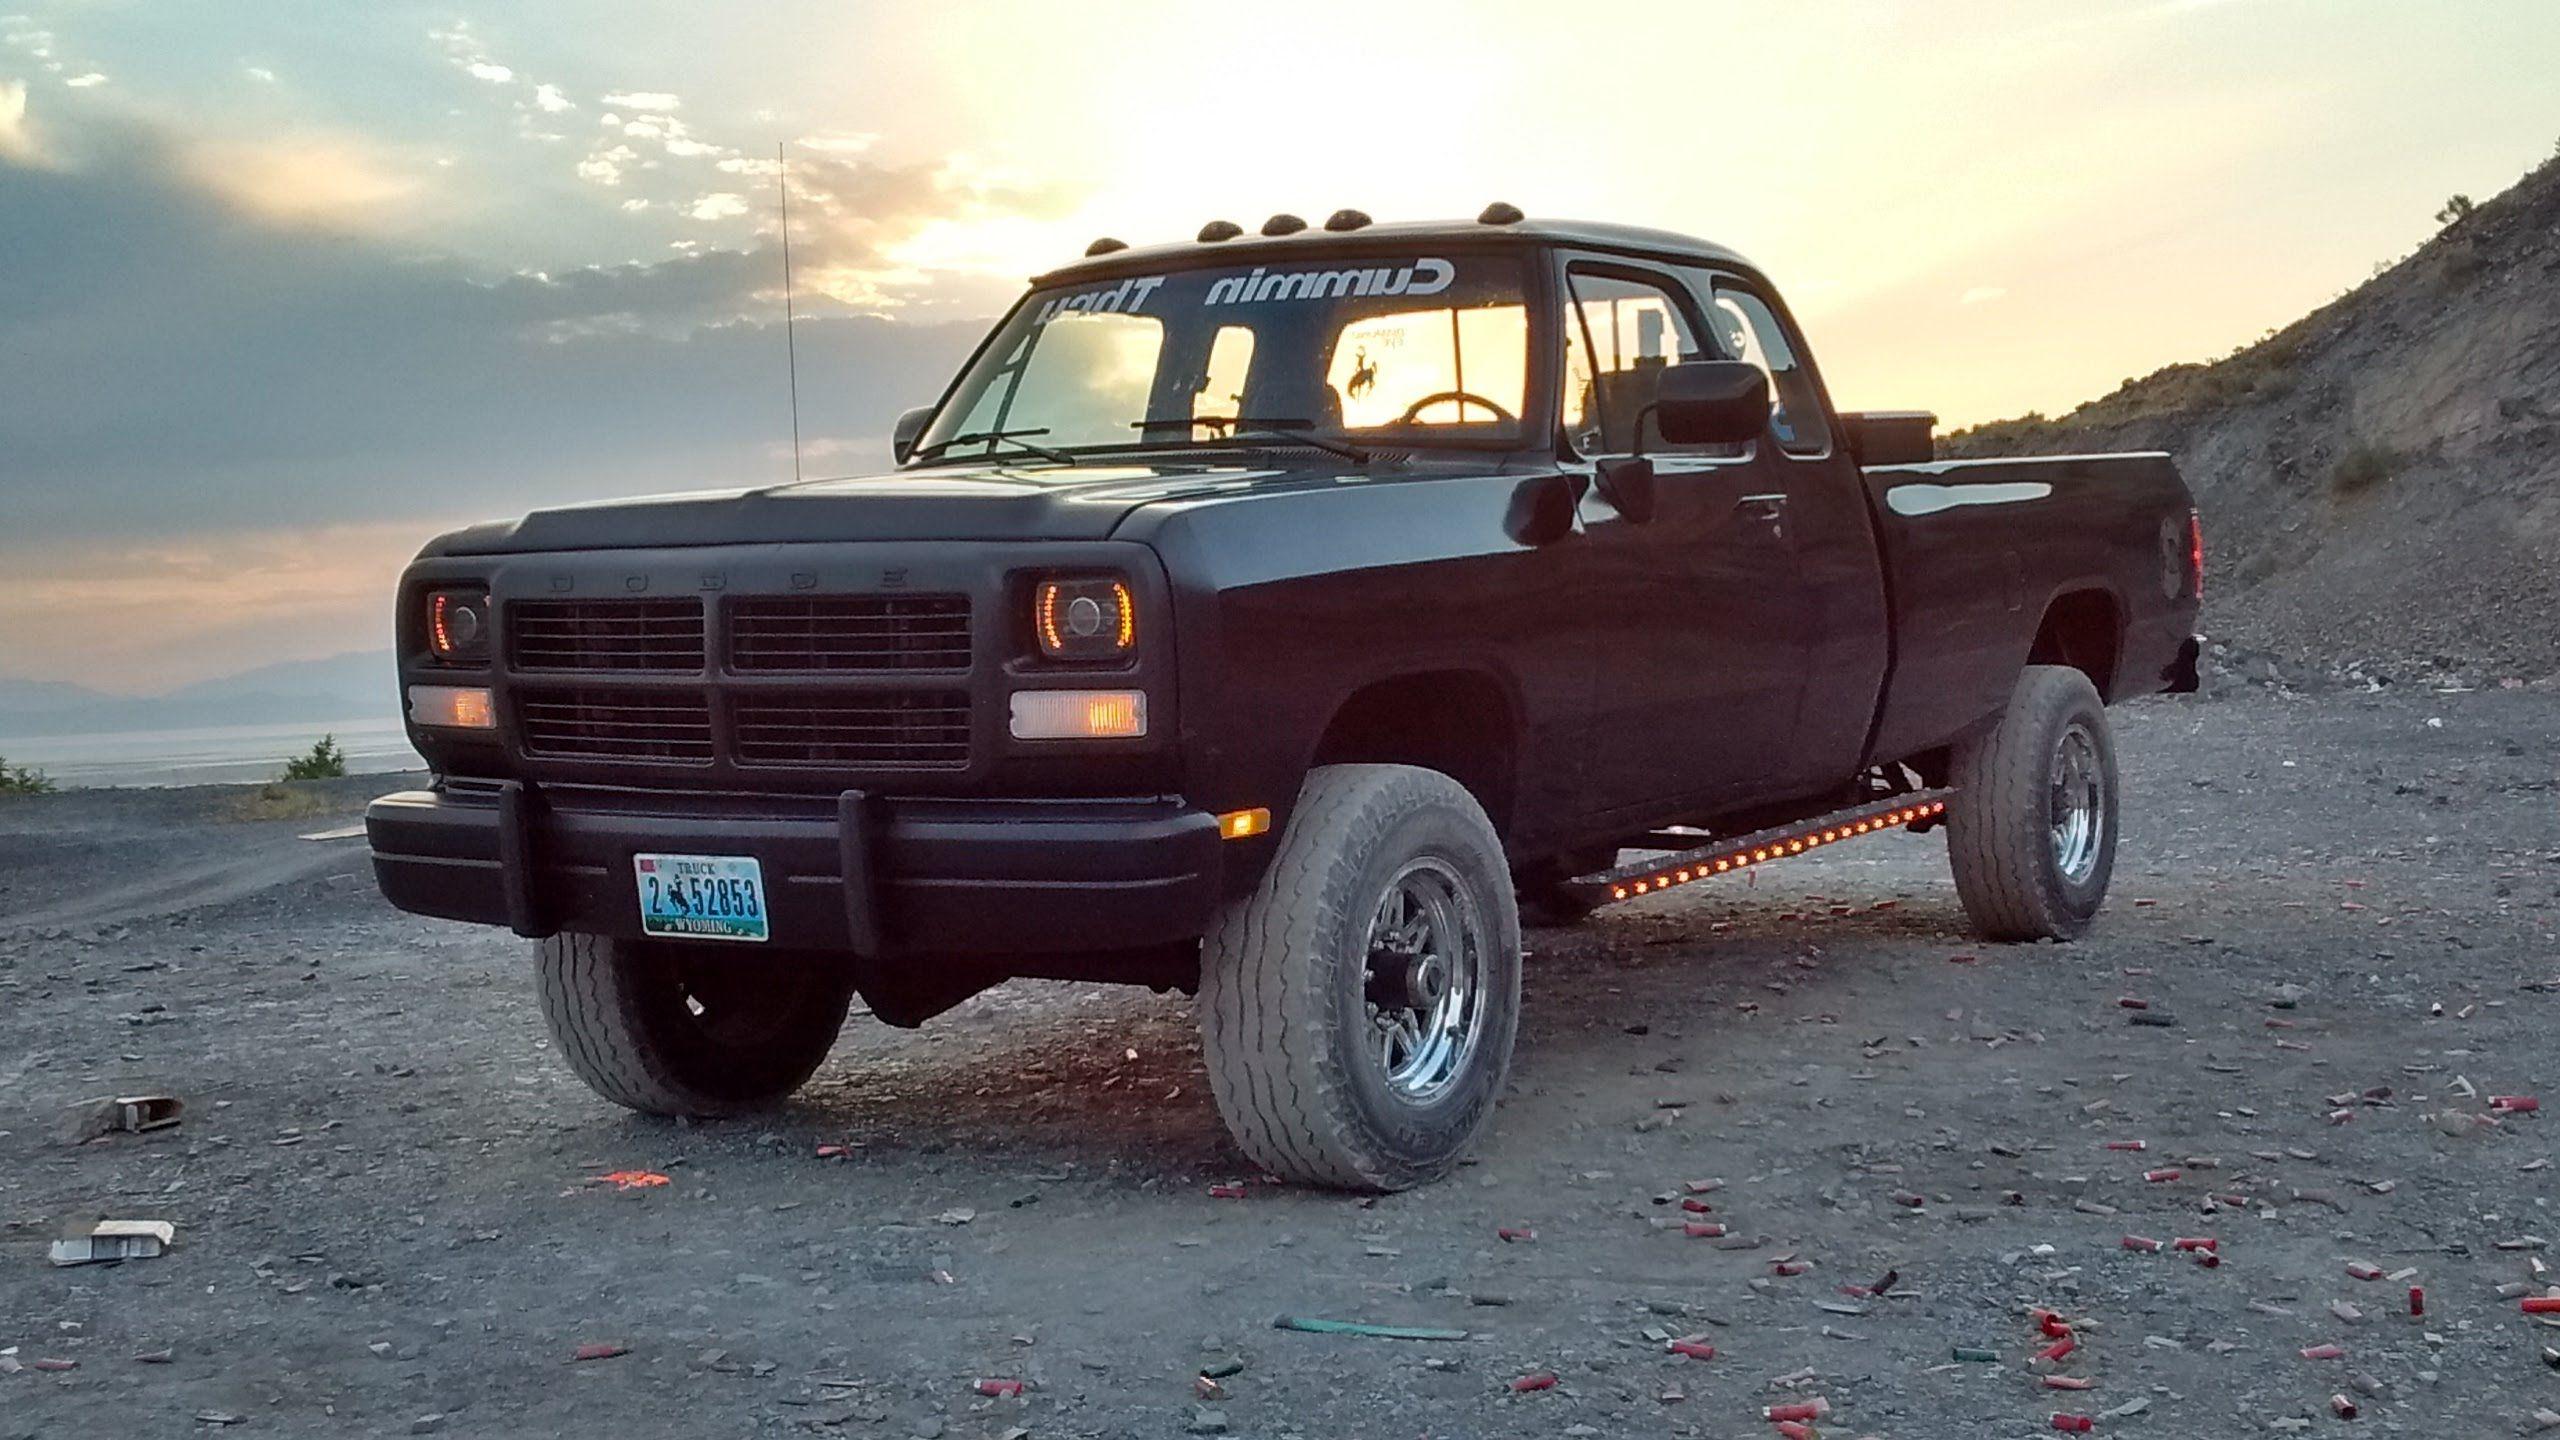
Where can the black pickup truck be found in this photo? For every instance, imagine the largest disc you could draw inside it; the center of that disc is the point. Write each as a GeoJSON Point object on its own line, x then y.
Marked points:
{"type": "Point", "coordinates": [1277, 617]}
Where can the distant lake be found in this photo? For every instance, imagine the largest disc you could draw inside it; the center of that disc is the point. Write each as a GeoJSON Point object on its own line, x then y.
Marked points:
{"type": "Point", "coordinates": [212, 755]}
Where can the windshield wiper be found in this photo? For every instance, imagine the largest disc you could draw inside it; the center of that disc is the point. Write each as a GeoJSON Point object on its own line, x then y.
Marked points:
{"type": "Point", "coordinates": [1238, 426]}
{"type": "Point", "coordinates": [1046, 452]}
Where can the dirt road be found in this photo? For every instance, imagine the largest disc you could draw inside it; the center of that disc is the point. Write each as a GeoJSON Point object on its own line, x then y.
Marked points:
{"type": "Point", "coordinates": [2336, 912]}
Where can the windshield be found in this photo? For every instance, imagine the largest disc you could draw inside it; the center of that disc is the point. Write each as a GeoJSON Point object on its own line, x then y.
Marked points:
{"type": "Point", "coordinates": [1350, 352]}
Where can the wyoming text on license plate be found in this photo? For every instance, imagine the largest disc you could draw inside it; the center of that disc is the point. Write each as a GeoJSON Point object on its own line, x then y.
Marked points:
{"type": "Point", "coordinates": [701, 897]}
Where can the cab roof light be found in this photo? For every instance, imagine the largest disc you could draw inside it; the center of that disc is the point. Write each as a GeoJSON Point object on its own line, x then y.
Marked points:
{"type": "Point", "coordinates": [1341, 220]}
{"type": "Point", "coordinates": [1500, 213]}
{"type": "Point", "coordinates": [1283, 223]}
{"type": "Point", "coordinates": [1105, 246]}
{"type": "Point", "coordinates": [1217, 230]}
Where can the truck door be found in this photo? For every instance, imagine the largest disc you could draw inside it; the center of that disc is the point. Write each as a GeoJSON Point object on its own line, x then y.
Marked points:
{"type": "Point", "coordinates": [1697, 612]}
{"type": "Point", "coordinates": [1838, 584]}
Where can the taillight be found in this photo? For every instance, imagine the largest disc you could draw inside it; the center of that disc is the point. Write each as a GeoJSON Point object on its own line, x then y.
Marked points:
{"type": "Point", "coordinates": [2195, 555]}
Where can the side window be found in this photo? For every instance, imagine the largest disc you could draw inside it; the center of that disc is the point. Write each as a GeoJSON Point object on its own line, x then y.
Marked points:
{"type": "Point", "coordinates": [1621, 335]}
{"type": "Point", "coordinates": [1430, 367]}
{"type": "Point", "coordinates": [1749, 330]}
{"type": "Point", "coordinates": [1221, 394]}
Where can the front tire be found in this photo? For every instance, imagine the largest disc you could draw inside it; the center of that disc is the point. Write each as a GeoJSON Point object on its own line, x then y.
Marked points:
{"type": "Point", "coordinates": [670, 1029]}
{"type": "Point", "coordinates": [1358, 1008]}
{"type": "Point", "coordinates": [2032, 829]}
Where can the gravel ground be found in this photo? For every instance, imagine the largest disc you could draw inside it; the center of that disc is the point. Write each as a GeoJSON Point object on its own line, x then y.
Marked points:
{"type": "Point", "coordinates": [388, 1221]}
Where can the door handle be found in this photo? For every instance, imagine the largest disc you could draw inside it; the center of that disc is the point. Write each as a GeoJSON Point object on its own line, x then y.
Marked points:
{"type": "Point", "coordinates": [1767, 510]}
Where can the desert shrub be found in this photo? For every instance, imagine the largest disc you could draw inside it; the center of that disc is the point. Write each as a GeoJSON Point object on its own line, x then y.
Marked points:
{"type": "Point", "coordinates": [2364, 466]}
{"type": "Point", "coordinates": [2455, 211]}
{"type": "Point", "coordinates": [23, 780]}
{"type": "Point", "coordinates": [325, 762]}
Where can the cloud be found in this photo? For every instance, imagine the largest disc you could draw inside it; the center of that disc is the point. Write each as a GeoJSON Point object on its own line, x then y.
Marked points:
{"type": "Point", "coordinates": [17, 135]}
{"type": "Point", "coordinates": [643, 100]}
{"type": "Point", "coordinates": [84, 82]}
{"type": "Point", "coordinates": [489, 70]}
{"type": "Point", "coordinates": [718, 207]}
{"type": "Point", "coordinates": [314, 182]}
{"type": "Point", "coordinates": [550, 99]}
{"type": "Point", "coordinates": [604, 167]}
{"type": "Point", "coordinates": [261, 74]}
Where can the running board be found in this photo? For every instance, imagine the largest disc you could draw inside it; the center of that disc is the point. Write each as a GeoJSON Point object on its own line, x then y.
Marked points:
{"type": "Point", "coordinates": [1661, 872]}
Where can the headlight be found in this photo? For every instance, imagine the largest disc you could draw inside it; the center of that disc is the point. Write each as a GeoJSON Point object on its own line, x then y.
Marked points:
{"type": "Point", "coordinates": [458, 626]}
{"type": "Point", "coordinates": [1092, 618]}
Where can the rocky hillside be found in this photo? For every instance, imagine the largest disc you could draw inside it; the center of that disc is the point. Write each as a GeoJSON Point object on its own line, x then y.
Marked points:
{"type": "Point", "coordinates": [2381, 479]}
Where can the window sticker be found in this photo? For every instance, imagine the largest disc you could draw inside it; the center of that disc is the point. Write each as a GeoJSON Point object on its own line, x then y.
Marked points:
{"type": "Point", "coordinates": [1426, 276]}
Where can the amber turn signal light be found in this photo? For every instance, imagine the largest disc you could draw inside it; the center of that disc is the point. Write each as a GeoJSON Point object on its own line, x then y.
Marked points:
{"type": "Point", "coordinates": [1243, 824]}
{"type": "Point", "coordinates": [1079, 714]}
{"type": "Point", "coordinates": [458, 626]}
{"type": "Point", "coordinates": [453, 707]}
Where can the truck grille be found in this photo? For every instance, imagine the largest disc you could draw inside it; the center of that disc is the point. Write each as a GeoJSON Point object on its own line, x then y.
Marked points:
{"type": "Point", "coordinates": [670, 727]}
{"type": "Point", "coordinates": [910, 730]}
{"type": "Point", "coordinates": [590, 635]}
{"type": "Point", "coordinates": [849, 632]}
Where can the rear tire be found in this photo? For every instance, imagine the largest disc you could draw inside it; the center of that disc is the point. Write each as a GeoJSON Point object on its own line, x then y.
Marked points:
{"type": "Point", "coordinates": [2032, 829]}
{"type": "Point", "coordinates": [1358, 1008]}
{"type": "Point", "coordinates": [670, 1029]}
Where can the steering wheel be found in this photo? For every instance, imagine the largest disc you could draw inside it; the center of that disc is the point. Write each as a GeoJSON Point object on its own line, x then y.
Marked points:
{"type": "Point", "coordinates": [1445, 397]}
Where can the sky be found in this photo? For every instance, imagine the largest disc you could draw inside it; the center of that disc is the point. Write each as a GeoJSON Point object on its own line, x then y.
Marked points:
{"type": "Point", "coordinates": [288, 288]}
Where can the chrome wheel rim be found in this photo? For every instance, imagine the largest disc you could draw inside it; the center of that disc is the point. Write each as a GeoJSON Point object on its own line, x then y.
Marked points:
{"type": "Point", "coordinates": [1423, 983]}
{"type": "Point", "coordinates": [2079, 805]}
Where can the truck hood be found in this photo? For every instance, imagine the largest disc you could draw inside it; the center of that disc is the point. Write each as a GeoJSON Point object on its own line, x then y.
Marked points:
{"type": "Point", "coordinates": [991, 502]}
{"type": "Point", "coordinates": [979, 503]}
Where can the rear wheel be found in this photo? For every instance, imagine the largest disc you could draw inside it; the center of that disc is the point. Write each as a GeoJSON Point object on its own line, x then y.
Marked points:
{"type": "Point", "coordinates": [2032, 830]}
{"type": "Point", "coordinates": [685, 1030]}
{"type": "Point", "coordinates": [1358, 1009]}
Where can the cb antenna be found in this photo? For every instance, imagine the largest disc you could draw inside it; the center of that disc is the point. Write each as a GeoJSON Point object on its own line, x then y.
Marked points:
{"type": "Point", "coordinates": [790, 339]}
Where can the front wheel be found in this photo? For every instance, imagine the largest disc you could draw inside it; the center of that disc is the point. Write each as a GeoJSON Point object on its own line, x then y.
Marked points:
{"type": "Point", "coordinates": [2032, 829]}
{"type": "Point", "coordinates": [670, 1029]}
{"type": "Point", "coordinates": [1358, 1009]}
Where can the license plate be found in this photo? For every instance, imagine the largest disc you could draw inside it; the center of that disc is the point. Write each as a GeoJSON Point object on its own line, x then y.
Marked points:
{"type": "Point", "coordinates": [701, 897]}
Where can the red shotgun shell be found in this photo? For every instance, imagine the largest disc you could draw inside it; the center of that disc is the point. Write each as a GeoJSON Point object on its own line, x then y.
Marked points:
{"type": "Point", "coordinates": [2069, 1382]}
{"type": "Point", "coordinates": [1694, 1348]}
{"type": "Point", "coordinates": [1543, 1380]}
{"type": "Point", "coordinates": [2196, 1242]}
{"type": "Point", "coordinates": [2344, 1408]}
{"type": "Point", "coordinates": [2324, 1351]}
{"type": "Point", "coordinates": [2521, 1104]}
{"type": "Point", "coordinates": [2128, 1145]}
{"type": "Point", "coordinates": [1226, 1192]}
{"type": "Point", "coordinates": [1794, 1430]}
{"type": "Point", "coordinates": [2058, 1349]}
{"type": "Point", "coordinates": [1516, 1232]}
{"type": "Point", "coordinates": [1788, 1267]}
{"type": "Point", "coordinates": [1813, 1409]}
{"type": "Point", "coordinates": [2542, 1304]}
{"type": "Point", "coordinates": [2050, 1323]}
{"type": "Point", "coordinates": [2417, 1301]}
{"type": "Point", "coordinates": [1001, 1389]}
{"type": "Point", "coordinates": [2143, 1243]}
{"type": "Point", "coordinates": [1703, 1230]}
{"type": "Point", "coordinates": [2074, 1424]}
{"type": "Point", "coordinates": [2157, 1176]}
{"type": "Point", "coordinates": [1697, 1207]}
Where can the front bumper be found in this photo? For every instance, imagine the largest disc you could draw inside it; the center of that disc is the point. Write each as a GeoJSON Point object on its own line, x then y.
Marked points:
{"type": "Point", "coordinates": [850, 872]}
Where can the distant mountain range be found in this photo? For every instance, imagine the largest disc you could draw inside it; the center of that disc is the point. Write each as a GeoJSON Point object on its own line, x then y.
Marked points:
{"type": "Point", "coordinates": [353, 686]}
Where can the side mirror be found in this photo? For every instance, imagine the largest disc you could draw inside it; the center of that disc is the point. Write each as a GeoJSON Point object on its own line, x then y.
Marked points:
{"type": "Point", "coordinates": [909, 429]}
{"type": "Point", "coordinates": [1626, 482]}
{"type": "Point", "coordinates": [1712, 402]}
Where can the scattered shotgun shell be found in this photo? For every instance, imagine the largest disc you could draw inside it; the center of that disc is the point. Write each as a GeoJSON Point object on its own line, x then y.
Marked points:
{"type": "Point", "coordinates": [1702, 1187]}
{"type": "Point", "coordinates": [1207, 1389]}
{"type": "Point", "coordinates": [1795, 1430]}
{"type": "Point", "coordinates": [2128, 1144]}
{"type": "Point", "coordinates": [2417, 1302]}
{"type": "Point", "coordinates": [1977, 1354]}
{"type": "Point", "coordinates": [1516, 1233]}
{"type": "Point", "coordinates": [2143, 1243]}
{"type": "Point", "coordinates": [2196, 1242]}
{"type": "Point", "coordinates": [2050, 1323]}
{"type": "Point", "coordinates": [2341, 1115]}
{"type": "Point", "coordinates": [2158, 1176]}
{"type": "Point", "coordinates": [1006, 1389]}
{"type": "Point", "coordinates": [1697, 1206]}
{"type": "Point", "coordinates": [2133, 1002]}
{"type": "Point", "coordinates": [1693, 1347]}
{"type": "Point", "coordinates": [2208, 1259]}
{"type": "Point", "coordinates": [1542, 1380]}
{"type": "Point", "coordinates": [1789, 1267]}
{"type": "Point", "coordinates": [2359, 1270]}
{"type": "Point", "coordinates": [1910, 1199]}
{"type": "Point", "coordinates": [1703, 1230]}
{"type": "Point", "coordinates": [2520, 1104]}
{"type": "Point", "coordinates": [2342, 1407]}
{"type": "Point", "coordinates": [2326, 1350]}
{"type": "Point", "coordinates": [2073, 1424]}
{"type": "Point", "coordinates": [599, 1350]}
{"type": "Point", "coordinates": [2551, 1358]}
{"type": "Point", "coordinates": [2069, 1382]}
{"type": "Point", "coordinates": [1813, 1409]}
{"type": "Point", "coordinates": [2058, 1349]}
{"type": "Point", "coordinates": [2542, 1304]}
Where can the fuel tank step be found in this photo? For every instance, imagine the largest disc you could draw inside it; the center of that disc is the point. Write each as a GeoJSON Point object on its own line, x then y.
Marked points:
{"type": "Point", "coordinates": [1661, 872]}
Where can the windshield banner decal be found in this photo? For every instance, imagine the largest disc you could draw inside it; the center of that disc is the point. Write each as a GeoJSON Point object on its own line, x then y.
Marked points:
{"type": "Point", "coordinates": [1126, 296]}
{"type": "Point", "coordinates": [1426, 276]}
